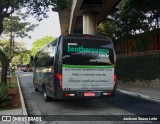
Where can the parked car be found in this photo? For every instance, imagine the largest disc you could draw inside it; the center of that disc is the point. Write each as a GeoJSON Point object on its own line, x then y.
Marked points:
{"type": "Point", "coordinates": [26, 68]}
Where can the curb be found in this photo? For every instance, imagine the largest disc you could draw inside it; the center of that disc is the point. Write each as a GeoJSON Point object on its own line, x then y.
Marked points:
{"type": "Point", "coordinates": [139, 95]}
{"type": "Point", "coordinates": [24, 110]}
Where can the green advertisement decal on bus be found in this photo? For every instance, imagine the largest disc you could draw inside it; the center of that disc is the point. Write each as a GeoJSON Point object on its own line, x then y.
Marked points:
{"type": "Point", "coordinates": [87, 50]}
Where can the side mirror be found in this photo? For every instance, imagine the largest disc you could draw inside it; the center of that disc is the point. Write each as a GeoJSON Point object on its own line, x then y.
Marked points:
{"type": "Point", "coordinates": [31, 58]}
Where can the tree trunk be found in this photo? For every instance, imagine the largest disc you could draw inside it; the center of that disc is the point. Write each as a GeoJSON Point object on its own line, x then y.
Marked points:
{"type": "Point", "coordinates": [1, 24]}
{"type": "Point", "coordinates": [11, 45]}
{"type": "Point", "coordinates": [3, 57]}
{"type": "Point", "coordinates": [4, 61]}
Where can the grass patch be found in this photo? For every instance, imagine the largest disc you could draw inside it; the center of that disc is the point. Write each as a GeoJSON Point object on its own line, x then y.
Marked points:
{"type": "Point", "coordinates": [3, 94]}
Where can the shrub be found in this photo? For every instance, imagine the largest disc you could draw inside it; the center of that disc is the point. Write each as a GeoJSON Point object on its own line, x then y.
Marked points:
{"type": "Point", "coordinates": [3, 93]}
{"type": "Point", "coordinates": [138, 68]}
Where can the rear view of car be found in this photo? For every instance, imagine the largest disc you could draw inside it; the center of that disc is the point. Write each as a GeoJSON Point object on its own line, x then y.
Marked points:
{"type": "Point", "coordinates": [25, 67]}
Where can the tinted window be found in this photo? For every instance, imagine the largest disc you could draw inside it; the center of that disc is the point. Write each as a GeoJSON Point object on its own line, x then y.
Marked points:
{"type": "Point", "coordinates": [87, 51]}
{"type": "Point", "coordinates": [46, 55]}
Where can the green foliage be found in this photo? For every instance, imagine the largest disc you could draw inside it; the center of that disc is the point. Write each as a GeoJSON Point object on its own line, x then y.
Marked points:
{"type": "Point", "coordinates": [22, 57]}
{"type": "Point", "coordinates": [38, 8]}
{"type": "Point", "coordinates": [39, 43]}
{"type": "Point", "coordinates": [107, 28]}
{"type": "Point", "coordinates": [20, 52]}
{"type": "Point", "coordinates": [26, 57]}
{"type": "Point", "coordinates": [149, 9]}
{"type": "Point", "coordinates": [18, 27]}
{"type": "Point", "coordinates": [3, 93]}
{"type": "Point", "coordinates": [5, 45]}
{"type": "Point", "coordinates": [16, 60]}
{"type": "Point", "coordinates": [62, 5]}
{"type": "Point", "coordinates": [134, 16]}
{"type": "Point", "coordinates": [14, 4]}
{"type": "Point", "coordinates": [140, 67]}
{"type": "Point", "coordinates": [15, 28]}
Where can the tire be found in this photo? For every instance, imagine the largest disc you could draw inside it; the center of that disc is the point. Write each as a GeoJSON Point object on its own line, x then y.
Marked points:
{"type": "Point", "coordinates": [35, 88]}
{"type": "Point", "coordinates": [46, 98]}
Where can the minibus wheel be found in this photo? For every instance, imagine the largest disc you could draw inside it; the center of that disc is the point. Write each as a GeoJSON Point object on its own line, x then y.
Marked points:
{"type": "Point", "coordinates": [35, 88]}
{"type": "Point", "coordinates": [46, 98]}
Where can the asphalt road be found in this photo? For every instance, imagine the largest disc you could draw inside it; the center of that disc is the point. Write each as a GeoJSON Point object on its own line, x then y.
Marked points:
{"type": "Point", "coordinates": [86, 111]}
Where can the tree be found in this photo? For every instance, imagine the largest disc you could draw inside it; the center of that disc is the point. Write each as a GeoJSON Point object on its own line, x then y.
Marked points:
{"type": "Point", "coordinates": [4, 62]}
{"type": "Point", "coordinates": [5, 44]}
{"type": "Point", "coordinates": [4, 59]}
{"type": "Point", "coordinates": [15, 27]}
{"type": "Point", "coordinates": [107, 28]}
{"type": "Point", "coordinates": [151, 8]}
{"type": "Point", "coordinates": [133, 17]}
{"type": "Point", "coordinates": [122, 24]}
{"type": "Point", "coordinates": [39, 43]}
{"type": "Point", "coordinates": [37, 8]}
{"type": "Point", "coordinates": [20, 52]}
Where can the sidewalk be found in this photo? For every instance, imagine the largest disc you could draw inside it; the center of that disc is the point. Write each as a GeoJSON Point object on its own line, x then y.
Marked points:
{"type": "Point", "coordinates": [145, 92]}
{"type": "Point", "coordinates": [22, 111]}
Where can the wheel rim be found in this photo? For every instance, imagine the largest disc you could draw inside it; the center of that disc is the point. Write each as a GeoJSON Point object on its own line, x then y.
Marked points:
{"type": "Point", "coordinates": [45, 95]}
